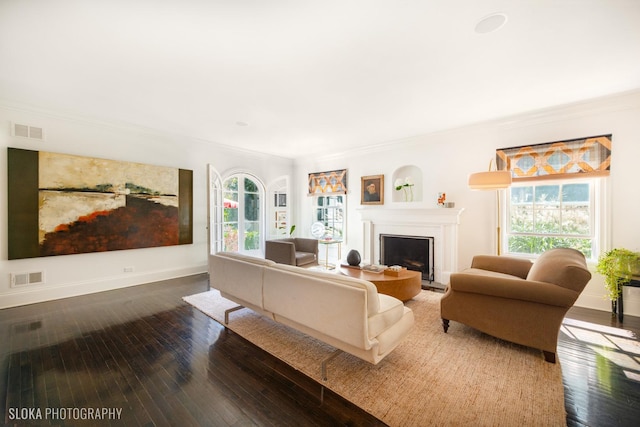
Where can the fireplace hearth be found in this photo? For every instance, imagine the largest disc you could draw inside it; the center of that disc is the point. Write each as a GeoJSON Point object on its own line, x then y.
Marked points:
{"type": "Point", "coordinates": [413, 252]}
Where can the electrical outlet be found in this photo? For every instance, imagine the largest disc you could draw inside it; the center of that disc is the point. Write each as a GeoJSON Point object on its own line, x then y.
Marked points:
{"type": "Point", "coordinates": [129, 269]}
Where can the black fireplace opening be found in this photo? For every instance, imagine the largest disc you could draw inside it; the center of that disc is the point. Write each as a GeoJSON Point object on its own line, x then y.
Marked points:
{"type": "Point", "coordinates": [413, 252]}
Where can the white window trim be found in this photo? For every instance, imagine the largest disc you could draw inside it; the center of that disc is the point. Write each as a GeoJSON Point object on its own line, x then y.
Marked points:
{"type": "Point", "coordinates": [600, 220]}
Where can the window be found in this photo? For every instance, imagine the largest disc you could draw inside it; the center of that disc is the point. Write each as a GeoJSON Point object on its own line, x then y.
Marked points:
{"type": "Point", "coordinates": [329, 211]}
{"type": "Point", "coordinates": [242, 224]}
{"type": "Point", "coordinates": [549, 214]}
{"type": "Point", "coordinates": [557, 196]}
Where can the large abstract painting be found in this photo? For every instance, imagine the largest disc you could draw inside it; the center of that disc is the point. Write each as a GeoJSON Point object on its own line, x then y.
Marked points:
{"type": "Point", "coordinates": [62, 204]}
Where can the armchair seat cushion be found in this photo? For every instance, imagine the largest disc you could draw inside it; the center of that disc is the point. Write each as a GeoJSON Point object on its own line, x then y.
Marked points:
{"type": "Point", "coordinates": [304, 258]}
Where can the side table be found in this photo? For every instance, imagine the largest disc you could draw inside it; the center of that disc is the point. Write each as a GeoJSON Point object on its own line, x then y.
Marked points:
{"type": "Point", "coordinates": [326, 243]}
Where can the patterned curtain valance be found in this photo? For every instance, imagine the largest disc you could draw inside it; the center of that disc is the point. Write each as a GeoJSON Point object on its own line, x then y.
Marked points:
{"type": "Point", "coordinates": [325, 183]}
{"type": "Point", "coordinates": [575, 158]}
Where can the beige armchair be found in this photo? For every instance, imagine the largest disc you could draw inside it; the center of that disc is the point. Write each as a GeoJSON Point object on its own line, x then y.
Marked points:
{"type": "Point", "coordinates": [516, 300]}
{"type": "Point", "coordinates": [293, 251]}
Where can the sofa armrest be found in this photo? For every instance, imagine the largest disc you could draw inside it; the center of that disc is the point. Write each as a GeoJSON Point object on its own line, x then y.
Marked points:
{"type": "Point", "coordinates": [502, 264]}
{"type": "Point", "coordinates": [520, 289]}
{"type": "Point", "coordinates": [280, 251]}
{"type": "Point", "coordinates": [306, 245]}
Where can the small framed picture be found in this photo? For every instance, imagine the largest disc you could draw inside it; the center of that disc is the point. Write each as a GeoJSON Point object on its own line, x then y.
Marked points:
{"type": "Point", "coordinates": [372, 190]}
{"type": "Point", "coordinates": [280, 200]}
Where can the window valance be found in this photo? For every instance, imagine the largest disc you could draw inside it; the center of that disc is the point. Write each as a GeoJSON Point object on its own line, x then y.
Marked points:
{"type": "Point", "coordinates": [326, 183]}
{"type": "Point", "coordinates": [574, 158]}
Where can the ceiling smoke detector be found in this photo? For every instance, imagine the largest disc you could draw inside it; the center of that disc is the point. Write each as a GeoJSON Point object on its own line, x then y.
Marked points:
{"type": "Point", "coordinates": [491, 23]}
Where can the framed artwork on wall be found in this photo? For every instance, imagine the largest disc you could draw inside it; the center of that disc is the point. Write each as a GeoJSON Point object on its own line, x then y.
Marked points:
{"type": "Point", "coordinates": [280, 200]}
{"type": "Point", "coordinates": [61, 204]}
{"type": "Point", "coordinates": [372, 190]}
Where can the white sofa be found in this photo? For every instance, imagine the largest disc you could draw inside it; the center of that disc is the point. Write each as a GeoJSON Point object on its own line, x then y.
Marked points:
{"type": "Point", "coordinates": [344, 312]}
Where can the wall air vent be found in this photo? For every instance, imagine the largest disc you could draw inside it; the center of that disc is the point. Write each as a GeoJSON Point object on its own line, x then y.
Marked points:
{"type": "Point", "coordinates": [26, 131]}
{"type": "Point", "coordinates": [27, 279]}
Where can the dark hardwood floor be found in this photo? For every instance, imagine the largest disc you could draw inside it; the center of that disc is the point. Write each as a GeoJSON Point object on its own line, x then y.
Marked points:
{"type": "Point", "coordinates": [600, 360]}
{"type": "Point", "coordinates": [143, 351]}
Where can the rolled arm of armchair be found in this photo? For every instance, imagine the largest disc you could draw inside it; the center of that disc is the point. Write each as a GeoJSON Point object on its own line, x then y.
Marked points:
{"type": "Point", "coordinates": [525, 290]}
{"type": "Point", "coordinates": [502, 264]}
{"type": "Point", "coordinates": [282, 252]}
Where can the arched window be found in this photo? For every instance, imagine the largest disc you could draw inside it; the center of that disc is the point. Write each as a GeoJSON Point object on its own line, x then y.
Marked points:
{"type": "Point", "coordinates": [243, 214]}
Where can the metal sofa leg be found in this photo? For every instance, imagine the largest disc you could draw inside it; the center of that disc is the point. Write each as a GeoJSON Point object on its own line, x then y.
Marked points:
{"type": "Point", "coordinates": [327, 360]}
{"type": "Point", "coordinates": [231, 310]}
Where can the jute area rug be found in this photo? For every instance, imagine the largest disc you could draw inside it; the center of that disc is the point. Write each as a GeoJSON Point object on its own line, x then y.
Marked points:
{"type": "Point", "coordinates": [463, 377]}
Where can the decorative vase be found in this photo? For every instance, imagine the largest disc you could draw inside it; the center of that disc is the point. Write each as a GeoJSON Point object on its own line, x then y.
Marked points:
{"type": "Point", "coordinates": [353, 258]}
{"type": "Point", "coordinates": [408, 194]}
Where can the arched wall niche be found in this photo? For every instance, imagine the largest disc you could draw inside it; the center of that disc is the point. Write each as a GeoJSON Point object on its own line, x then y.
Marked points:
{"type": "Point", "coordinates": [407, 194]}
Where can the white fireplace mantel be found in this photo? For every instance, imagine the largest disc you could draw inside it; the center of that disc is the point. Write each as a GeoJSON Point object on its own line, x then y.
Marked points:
{"type": "Point", "coordinates": [408, 220]}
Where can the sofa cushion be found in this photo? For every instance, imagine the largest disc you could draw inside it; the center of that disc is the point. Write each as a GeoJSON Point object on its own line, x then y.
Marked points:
{"type": "Point", "coordinates": [246, 258]}
{"type": "Point", "coordinates": [391, 311]}
{"type": "Point", "coordinates": [561, 266]}
{"type": "Point", "coordinates": [373, 302]}
{"type": "Point", "coordinates": [315, 302]}
{"type": "Point", "coordinates": [241, 278]}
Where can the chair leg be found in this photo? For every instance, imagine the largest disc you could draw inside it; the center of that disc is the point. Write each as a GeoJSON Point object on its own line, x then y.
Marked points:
{"type": "Point", "coordinates": [445, 325]}
{"type": "Point", "coordinates": [549, 356]}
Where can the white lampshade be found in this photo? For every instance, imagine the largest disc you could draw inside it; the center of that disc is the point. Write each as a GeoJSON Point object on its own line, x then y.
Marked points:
{"type": "Point", "coordinates": [491, 180]}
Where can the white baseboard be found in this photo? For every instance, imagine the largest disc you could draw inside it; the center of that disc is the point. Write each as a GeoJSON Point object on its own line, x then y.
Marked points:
{"type": "Point", "coordinates": [38, 294]}
{"type": "Point", "coordinates": [597, 302]}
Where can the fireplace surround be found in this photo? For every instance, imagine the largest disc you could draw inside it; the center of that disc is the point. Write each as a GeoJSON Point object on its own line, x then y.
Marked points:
{"type": "Point", "coordinates": [441, 224]}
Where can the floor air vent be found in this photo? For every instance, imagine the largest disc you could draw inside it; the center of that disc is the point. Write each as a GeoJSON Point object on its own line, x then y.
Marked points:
{"type": "Point", "coordinates": [27, 279]}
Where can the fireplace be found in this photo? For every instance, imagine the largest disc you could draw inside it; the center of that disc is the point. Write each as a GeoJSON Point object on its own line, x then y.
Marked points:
{"type": "Point", "coordinates": [414, 220]}
{"type": "Point", "coordinates": [413, 252]}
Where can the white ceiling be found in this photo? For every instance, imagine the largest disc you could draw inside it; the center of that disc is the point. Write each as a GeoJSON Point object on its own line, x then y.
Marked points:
{"type": "Point", "coordinates": [308, 77]}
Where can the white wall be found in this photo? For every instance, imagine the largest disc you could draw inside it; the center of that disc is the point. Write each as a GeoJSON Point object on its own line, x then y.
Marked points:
{"type": "Point", "coordinates": [71, 275]}
{"type": "Point", "coordinates": [447, 158]}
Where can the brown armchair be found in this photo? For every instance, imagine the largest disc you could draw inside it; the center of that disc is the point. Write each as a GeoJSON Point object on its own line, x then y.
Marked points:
{"type": "Point", "coordinates": [516, 300]}
{"type": "Point", "coordinates": [293, 251]}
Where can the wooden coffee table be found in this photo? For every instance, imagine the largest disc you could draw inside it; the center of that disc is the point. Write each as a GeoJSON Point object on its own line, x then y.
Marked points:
{"type": "Point", "coordinates": [404, 286]}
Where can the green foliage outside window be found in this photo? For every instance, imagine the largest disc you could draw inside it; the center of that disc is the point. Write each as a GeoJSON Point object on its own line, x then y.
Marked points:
{"type": "Point", "coordinates": [241, 211]}
{"type": "Point", "coordinates": [252, 240]}
{"type": "Point", "coordinates": [549, 216]}
{"type": "Point", "coordinates": [230, 237]}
